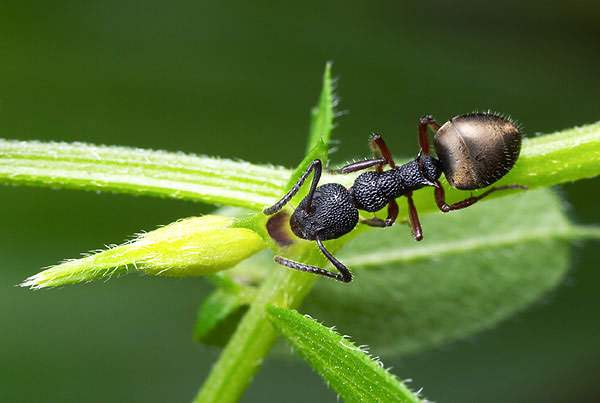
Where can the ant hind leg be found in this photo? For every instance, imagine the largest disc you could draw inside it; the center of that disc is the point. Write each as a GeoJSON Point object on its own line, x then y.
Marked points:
{"type": "Point", "coordinates": [440, 198]}
{"type": "Point", "coordinates": [415, 223]}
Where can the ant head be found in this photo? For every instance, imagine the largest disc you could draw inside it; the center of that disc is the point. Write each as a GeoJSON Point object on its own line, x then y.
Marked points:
{"type": "Point", "coordinates": [430, 167]}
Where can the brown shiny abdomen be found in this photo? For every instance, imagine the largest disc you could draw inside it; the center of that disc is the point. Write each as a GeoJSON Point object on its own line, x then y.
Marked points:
{"type": "Point", "coordinates": [477, 149]}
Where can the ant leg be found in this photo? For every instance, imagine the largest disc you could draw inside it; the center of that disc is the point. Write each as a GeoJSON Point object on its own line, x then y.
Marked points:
{"type": "Point", "coordinates": [415, 224]}
{"type": "Point", "coordinates": [374, 222]}
{"type": "Point", "coordinates": [307, 268]}
{"type": "Point", "coordinates": [360, 165]}
{"type": "Point", "coordinates": [379, 148]}
{"type": "Point", "coordinates": [389, 221]}
{"type": "Point", "coordinates": [382, 155]}
{"type": "Point", "coordinates": [442, 205]}
{"type": "Point", "coordinates": [425, 121]}
{"type": "Point", "coordinates": [316, 166]}
{"type": "Point", "coordinates": [344, 274]}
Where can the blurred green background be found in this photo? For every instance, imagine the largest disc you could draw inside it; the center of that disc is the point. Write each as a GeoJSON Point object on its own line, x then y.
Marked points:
{"type": "Point", "coordinates": [236, 79]}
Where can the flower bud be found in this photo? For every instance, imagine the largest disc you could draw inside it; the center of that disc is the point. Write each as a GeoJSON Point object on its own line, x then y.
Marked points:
{"type": "Point", "coordinates": [191, 247]}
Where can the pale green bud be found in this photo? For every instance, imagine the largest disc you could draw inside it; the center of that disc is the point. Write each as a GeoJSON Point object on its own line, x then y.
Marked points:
{"type": "Point", "coordinates": [191, 247]}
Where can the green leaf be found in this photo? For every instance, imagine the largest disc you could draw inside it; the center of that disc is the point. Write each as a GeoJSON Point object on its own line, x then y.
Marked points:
{"type": "Point", "coordinates": [140, 172]}
{"type": "Point", "coordinates": [321, 128]}
{"type": "Point", "coordinates": [347, 368]}
{"type": "Point", "coordinates": [222, 310]}
{"type": "Point", "coordinates": [218, 316]}
{"type": "Point", "coordinates": [322, 115]}
{"type": "Point", "coordinates": [474, 268]}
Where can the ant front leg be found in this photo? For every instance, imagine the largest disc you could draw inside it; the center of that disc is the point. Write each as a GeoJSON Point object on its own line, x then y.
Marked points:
{"type": "Point", "coordinates": [389, 221]}
{"type": "Point", "coordinates": [344, 274]}
{"type": "Point", "coordinates": [424, 122]}
{"type": "Point", "coordinates": [315, 166]}
{"type": "Point", "coordinates": [440, 198]}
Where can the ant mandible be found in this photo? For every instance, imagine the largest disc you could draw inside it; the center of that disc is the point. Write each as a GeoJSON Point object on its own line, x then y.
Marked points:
{"type": "Point", "coordinates": [473, 151]}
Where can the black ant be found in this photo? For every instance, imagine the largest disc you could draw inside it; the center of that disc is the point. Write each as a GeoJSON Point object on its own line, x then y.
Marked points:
{"type": "Point", "coordinates": [473, 151]}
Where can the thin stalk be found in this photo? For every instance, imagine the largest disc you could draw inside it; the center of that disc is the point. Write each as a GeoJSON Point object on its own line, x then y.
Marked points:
{"type": "Point", "coordinates": [253, 338]}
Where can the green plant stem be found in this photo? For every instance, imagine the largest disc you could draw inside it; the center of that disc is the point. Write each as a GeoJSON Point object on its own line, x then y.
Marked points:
{"type": "Point", "coordinates": [564, 156]}
{"type": "Point", "coordinates": [140, 172]}
{"type": "Point", "coordinates": [253, 338]}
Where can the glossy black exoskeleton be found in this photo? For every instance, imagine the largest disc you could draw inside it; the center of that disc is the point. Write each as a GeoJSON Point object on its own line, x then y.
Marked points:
{"type": "Point", "coordinates": [473, 151]}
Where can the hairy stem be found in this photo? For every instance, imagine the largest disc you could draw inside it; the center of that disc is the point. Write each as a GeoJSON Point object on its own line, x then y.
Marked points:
{"type": "Point", "coordinates": [137, 171]}
{"type": "Point", "coordinates": [548, 160]}
{"type": "Point", "coordinates": [253, 338]}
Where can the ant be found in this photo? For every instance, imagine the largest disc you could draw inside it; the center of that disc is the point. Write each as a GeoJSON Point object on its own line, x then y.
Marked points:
{"type": "Point", "coordinates": [473, 151]}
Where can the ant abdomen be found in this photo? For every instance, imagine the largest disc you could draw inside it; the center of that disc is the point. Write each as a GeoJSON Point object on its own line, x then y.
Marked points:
{"type": "Point", "coordinates": [477, 149]}
{"type": "Point", "coordinates": [331, 214]}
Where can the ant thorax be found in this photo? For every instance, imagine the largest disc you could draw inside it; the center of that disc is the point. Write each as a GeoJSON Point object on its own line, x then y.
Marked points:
{"type": "Point", "coordinates": [373, 190]}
